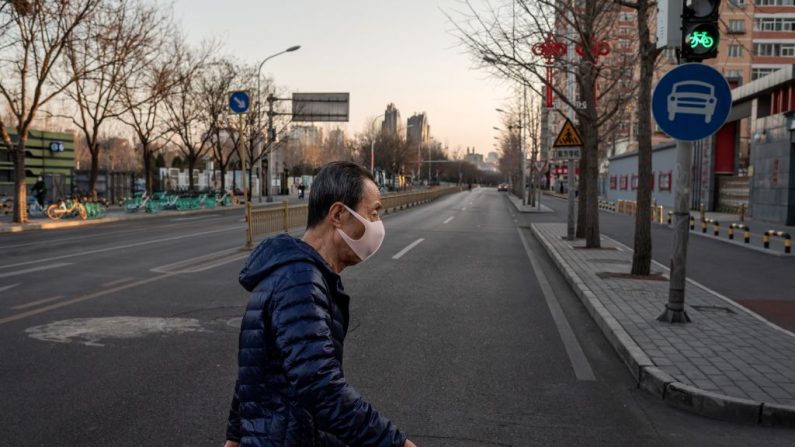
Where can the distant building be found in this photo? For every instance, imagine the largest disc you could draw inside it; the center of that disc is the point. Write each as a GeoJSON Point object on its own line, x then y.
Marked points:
{"type": "Point", "coordinates": [418, 131]}
{"type": "Point", "coordinates": [479, 161]}
{"type": "Point", "coordinates": [391, 120]}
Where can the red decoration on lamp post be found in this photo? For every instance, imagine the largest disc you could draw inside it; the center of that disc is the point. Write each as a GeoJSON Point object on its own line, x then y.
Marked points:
{"type": "Point", "coordinates": [549, 49]}
{"type": "Point", "coordinates": [599, 48]}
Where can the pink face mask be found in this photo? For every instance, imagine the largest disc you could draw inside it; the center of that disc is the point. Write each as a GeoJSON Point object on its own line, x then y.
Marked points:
{"type": "Point", "coordinates": [371, 240]}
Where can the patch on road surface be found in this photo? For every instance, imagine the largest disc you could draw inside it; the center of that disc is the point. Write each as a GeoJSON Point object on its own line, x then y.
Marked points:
{"type": "Point", "coordinates": [90, 331]}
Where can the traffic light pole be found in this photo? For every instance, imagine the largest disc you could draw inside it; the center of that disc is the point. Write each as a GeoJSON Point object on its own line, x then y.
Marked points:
{"type": "Point", "coordinates": [675, 309]}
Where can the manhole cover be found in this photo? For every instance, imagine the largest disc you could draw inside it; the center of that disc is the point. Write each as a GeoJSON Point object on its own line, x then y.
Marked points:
{"type": "Point", "coordinates": [718, 309]}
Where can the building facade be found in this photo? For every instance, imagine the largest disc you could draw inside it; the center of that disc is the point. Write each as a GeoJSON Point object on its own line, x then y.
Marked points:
{"type": "Point", "coordinates": [391, 120]}
{"type": "Point", "coordinates": [418, 131]}
{"type": "Point", "coordinates": [50, 155]}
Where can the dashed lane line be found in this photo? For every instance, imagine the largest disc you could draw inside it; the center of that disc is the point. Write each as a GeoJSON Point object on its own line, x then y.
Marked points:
{"type": "Point", "coordinates": [8, 287]}
{"type": "Point", "coordinates": [406, 250]}
{"type": "Point", "coordinates": [35, 269]}
{"type": "Point", "coordinates": [36, 303]}
{"type": "Point", "coordinates": [447, 221]}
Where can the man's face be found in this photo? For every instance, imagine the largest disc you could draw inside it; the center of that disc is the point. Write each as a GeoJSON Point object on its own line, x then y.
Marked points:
{"type": "Point", "coordinates": [369, 208]}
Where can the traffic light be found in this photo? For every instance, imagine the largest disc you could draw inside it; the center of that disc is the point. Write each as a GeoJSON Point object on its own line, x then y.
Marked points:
{"type": "Point", "coordinates": [700, 30]}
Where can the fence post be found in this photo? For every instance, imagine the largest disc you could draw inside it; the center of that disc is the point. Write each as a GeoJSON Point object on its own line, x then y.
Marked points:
{"type": "Point", "coordinates": [286, 209]}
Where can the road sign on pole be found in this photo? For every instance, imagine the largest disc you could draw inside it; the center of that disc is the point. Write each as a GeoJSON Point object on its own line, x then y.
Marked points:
{"type": "Point", "coordinates": [691, 102]}
{"type": "Point", "coordinates": [239, 102]}
{"type": "Point", "coordinates": [569, 139]}
{"type": "Point", "coordinates": [568, 136]}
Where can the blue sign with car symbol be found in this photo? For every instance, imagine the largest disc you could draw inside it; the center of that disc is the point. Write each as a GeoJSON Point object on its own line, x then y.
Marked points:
{"type": "Point", "coordinates": [691, 102]}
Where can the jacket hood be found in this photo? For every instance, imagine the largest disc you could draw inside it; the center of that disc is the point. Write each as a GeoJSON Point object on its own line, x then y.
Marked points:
{"type": "Point", "coordinates": [278, 251]}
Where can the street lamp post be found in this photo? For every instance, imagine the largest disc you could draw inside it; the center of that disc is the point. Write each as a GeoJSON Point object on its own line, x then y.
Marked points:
{"type": "Point", "coordinates": [259, 126]}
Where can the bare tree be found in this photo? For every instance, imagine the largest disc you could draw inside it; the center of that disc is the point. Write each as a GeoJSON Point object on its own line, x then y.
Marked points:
{"type": "Point", "coordinates": [503, 43]}
{"type": "Point", "coordinates": [648, 53]}
{"type": "Point", "coordinates": [35, 36]}
{"type": "Point", "coordinates": [119, 38]}
{"type": "Point", "coordinates": [184, 114]}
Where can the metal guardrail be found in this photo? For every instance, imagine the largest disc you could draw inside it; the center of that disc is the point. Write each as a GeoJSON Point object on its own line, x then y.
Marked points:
{"type": "Point", "coordinates": [283, 218]}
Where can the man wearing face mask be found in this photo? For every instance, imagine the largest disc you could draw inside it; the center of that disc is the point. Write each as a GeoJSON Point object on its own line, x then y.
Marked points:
{"type": "Point", "coordinates": [291, 390]}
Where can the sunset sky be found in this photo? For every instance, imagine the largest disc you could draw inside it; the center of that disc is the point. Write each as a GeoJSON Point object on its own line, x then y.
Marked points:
{"type": "Point", "coordinates": [380, 51]}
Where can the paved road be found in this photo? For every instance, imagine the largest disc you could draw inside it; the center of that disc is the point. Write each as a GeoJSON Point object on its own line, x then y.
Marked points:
{"type": "Point", "coordinates": [759, 281]}
{"type": "Point", "coordinates": [455, 339]}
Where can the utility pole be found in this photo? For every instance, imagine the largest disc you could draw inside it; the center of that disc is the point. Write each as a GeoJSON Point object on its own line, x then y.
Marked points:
{"type": "Point", "coordinates": [269, 147]}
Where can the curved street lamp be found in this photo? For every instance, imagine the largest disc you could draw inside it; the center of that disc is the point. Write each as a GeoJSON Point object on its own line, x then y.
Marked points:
{"type": "Point", "coordinates": [259, 118]}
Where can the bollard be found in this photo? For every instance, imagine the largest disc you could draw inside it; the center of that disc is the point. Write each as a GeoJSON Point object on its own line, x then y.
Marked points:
{"type": "Point", "coordinates": [702, 210]}
{"type": "Point", "coordinates": [660, 213]}
{"type": "Point", "coordinates": [742, 212]}
{"type": "Point", "coordinates": [766, 239]}
{"type": "Point", "coordinates": [670, 215]}
{"type": "Point", "coordinates": [692, 223]}
{"type": "Point", "coordinates": [787, 243]}
{"type": "Point", "coordinates": [746, 235]}
{"type": "Point", "coordinates": [731, 231]}
{"type": "Point", "coordinates": [716, 228]}
{"type": "Point", "coordinates": [703, 226]}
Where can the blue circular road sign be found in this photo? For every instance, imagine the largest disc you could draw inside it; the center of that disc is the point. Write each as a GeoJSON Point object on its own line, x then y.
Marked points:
{"type": "Point", "coordinates": [691, 102]}
{"type": "Point", "coordinates": [239, 102]}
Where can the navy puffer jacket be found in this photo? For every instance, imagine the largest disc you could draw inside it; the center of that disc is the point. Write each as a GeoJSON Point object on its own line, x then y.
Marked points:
{"type": "Point", "coordinates": [291, 390]}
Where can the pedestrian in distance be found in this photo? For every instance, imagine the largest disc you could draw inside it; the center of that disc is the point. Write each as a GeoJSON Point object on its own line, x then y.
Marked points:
{"type": "Point", "coordinates": [40, 190]}
{"type": "Point", "coordinates": [291, 390]}
{"type": "Point", "coordinates": [301, 189]}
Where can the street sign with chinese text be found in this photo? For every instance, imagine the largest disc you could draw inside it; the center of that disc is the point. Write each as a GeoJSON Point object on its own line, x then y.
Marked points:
{"type": "Point", "coordinates": [570, 153]}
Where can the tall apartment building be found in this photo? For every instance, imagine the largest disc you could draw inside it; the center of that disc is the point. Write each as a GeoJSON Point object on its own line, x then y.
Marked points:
{"type": "Point", "coordinates": [418, 131]}
{"type": "Point", "coordinates": [391, 120]}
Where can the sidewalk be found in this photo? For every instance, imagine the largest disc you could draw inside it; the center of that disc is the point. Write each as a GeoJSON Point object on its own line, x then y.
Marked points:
{"type": "Point", "coordinates": [119, 215]}
{"type": "Point", "coordinates": [728, 363]}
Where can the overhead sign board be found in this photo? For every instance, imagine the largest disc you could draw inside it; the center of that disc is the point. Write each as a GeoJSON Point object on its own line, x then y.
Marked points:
{"type": "Point", "coordinates": [691, 102]}
{"type": "Point", "coordinates": [239, 102]}
{"type": "Point", "coordinates": [568, 136]}
{"type": "Point", "coordinates": [321, 106]}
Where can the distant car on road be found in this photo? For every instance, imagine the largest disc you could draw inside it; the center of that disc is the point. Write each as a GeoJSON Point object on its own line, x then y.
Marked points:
{"type": "Point", "coordinates": [502, 187]}
{"type": "Point", "coordinates": [692, 97]}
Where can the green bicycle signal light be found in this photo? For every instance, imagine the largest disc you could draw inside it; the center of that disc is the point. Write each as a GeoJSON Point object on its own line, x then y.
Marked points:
{"type": "Point", "coordinates": [700, 29]}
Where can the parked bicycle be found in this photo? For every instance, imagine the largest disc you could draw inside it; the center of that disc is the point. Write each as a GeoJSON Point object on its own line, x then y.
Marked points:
{"type": "Point", "coordinates": [67, 208]}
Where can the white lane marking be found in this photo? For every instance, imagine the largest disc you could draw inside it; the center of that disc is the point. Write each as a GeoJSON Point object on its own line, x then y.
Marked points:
{"type": "Point", "coordinates": [36, 303]}
{"type": "Point", "coordinates": [90, 296]}
{"type": "Point", "coordinates": [582, 369]}
{"type": "Point", "coordinates": [4, 288]}
{"type": "Point", "coordinates": [35, 269]}
{"type": "Point", "coordinates": [447, 221]}
{"type": "Point", "coordinates": [118, 281]}
{"type": "Point", "coordinates": [726, 299]}
{"type": "Point", "coordinates": [119, 247]}
{"type": "Point", "coordinates": [406, 250]}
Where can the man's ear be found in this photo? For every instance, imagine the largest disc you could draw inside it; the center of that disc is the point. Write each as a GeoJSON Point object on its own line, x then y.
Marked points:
{"type": "Point", "coordinates": [335, 215]}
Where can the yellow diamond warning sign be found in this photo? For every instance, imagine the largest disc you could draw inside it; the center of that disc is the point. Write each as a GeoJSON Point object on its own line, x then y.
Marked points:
{"type": "Point", "coordinates": [568, 136]}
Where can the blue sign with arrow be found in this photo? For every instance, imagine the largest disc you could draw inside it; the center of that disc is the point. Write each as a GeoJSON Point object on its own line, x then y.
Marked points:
{"type": "Point", "coordinates": [691, 102]}
{"type": "Point", "coordinates": [239, 102]}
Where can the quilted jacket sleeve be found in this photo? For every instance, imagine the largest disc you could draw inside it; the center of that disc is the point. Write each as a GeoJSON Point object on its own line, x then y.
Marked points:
{"type": "Point", "coordinates": [303, 337]}
{"type": "Point", "coordinates": [233, 424]}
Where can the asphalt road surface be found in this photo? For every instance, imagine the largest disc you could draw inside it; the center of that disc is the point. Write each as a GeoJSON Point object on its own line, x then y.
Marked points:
{"type": "Point", "coordinates": [126, 335]}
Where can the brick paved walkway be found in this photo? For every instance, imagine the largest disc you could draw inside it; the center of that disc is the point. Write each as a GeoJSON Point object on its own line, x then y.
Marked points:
{"type": "Point", "coordinates": [726, 350]}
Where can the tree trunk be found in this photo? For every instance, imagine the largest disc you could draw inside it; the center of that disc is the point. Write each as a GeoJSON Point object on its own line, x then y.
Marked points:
{"type": "Point", "coordinates": [92, 179]}
{"type": "Point", "coordinates": [147, 169]}
{"type": "Point", "coordinates": [250, 178]}
{"type": "Point", "coordinates": [191, 164]}
{"type": "Point", "coordinates": [590, 197]}
{"type": "Point", "coordinates": [222, 168]}
{"type": "Point", "coordinates": [641, 257]}
{"type": "Point", "coordinates": [20, 183]}
{"type": "Point", "coordinates": [582, 188]}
